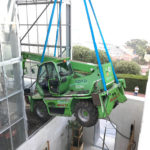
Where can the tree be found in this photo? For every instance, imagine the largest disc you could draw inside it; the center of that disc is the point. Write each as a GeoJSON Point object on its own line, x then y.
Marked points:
{"type": "Point", "coordinates": [85, 54]}
{"type": "Point", "coordinates": [139, 46]}
{"type": "Point", "coordinates": [148, 49]}
{"type": "Point", "coordinates": [140, 61]}
{"type": "Point", "coordinates": [125, 67]}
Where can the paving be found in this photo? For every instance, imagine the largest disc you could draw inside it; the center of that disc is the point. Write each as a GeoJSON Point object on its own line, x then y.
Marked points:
{"type": "Point", "coordinates": [131, 93]}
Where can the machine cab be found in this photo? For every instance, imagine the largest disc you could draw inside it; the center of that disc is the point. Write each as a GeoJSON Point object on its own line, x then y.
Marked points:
{"type": "Point", "coordinates": [53, 78]}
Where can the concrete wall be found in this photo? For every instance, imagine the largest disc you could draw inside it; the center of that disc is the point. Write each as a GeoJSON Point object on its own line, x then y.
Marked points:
{"type": "Point", "coordinates": [123, 116]}
{"type": "Point", "coordinates": [56, 132]}
{"type": "Point", "coordinates": [145, 129]}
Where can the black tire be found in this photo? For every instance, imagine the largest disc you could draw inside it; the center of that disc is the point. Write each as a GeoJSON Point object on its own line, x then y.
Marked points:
{"type": "Point", "coordinates": [40, 111]}
{"type": "Point", "coordinates": [90, 118]}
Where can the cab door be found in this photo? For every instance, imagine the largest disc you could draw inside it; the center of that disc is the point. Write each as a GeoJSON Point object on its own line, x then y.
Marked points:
{"type": "Point", "coordinates": [48, 78]}
{"type": "Point", "coordinates": [66, 74]}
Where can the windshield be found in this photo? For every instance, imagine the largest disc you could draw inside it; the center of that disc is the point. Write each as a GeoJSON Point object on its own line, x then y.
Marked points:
{"type": "Point", "coordinates": [65, 69]}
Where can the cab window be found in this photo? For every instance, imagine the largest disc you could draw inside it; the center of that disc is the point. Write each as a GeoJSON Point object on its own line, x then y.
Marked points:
{"type": "Point", "coordinates": [64, 69]}
{"type": "Point", "coordinates": [42, 73]}
{"type": "Point", "coordinates": [52, 73]}
{"type": "Point", "coordinates": [47, 71]}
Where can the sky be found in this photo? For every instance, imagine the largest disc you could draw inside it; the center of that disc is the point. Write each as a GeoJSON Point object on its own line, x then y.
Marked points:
{"type": "Point", "coordinates": [120, 21]}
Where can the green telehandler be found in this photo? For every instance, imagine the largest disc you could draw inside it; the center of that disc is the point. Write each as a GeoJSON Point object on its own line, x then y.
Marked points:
{"type": "Point", "coordinates": [65, 87]}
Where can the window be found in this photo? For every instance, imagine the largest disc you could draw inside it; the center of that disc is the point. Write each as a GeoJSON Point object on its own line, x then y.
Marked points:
{"type": "Point", "coordinates": [4, 122]}
{"type": "Point", "coordinates": [64, 69]}
{"type": "Point", "coordinates": [51, 71]}
{"type": "Point", "coordinates": [47, 71]}
{"type": "Point", "coordinates": [42, 73]}
{"type": "Point", "coordinates": [13, 78]}
{"type": "Point", "coordinates": [2, 83]}
{"type": "Point", "coordinates": [0, 53]}
{"type": "Point", "coordinates": [15, 107]}
{"type": "Point", "coordinates": [9, 47]}
{"type": "Point", "coordinates": [5, 140]}
{"type": "Point", "coordinates": [18, 136]}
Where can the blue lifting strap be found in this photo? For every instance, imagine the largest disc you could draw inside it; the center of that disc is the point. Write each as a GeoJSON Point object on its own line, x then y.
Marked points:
{"type": "Point", "coordinates": [48, 31]}
{"type": "Point", "coordinates": [95, 46]}
{"type": "Point", "coordinates": [58, 26]}
{"type": "Point", "coordinates": [105, 46]}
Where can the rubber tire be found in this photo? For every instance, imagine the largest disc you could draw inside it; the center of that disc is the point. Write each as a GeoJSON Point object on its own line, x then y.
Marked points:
{"type": "Point", "coordinates": [92, 111]}
{"type": "Point", "coordinates": [39, 105]}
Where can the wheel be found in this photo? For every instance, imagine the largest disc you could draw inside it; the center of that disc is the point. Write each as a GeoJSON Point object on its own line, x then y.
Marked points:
{"type": "Point", "coordinates": [40, 111]}
{"type": "Point", "coordinates": [86, 114]}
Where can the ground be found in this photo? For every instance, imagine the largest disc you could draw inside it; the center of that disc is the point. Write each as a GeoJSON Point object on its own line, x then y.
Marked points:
{"type": "Point", "coordinates": [33, 122]}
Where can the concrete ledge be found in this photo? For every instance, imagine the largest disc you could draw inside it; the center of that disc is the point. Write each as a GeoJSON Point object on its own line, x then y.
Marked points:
{"type": "Point", "coordinates": [55, 132]}
{"type": "Point", "coordinates": [136, 98]}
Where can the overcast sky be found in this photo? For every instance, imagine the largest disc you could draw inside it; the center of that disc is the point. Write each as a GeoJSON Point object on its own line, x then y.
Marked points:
{"type": "Point", "coordinates": [120, 20]}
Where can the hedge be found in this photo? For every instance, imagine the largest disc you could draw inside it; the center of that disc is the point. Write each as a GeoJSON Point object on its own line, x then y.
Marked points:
{"type": "Point", "coordinates": [134, 80]}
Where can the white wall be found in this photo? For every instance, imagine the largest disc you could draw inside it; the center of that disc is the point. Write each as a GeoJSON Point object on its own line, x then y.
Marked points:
{"type": "Point", "coordinates": [123, 116]}
{"type": "Point", "coordinates": [55, 132]}
{"type": "Point", "coordinates": [145, 129]}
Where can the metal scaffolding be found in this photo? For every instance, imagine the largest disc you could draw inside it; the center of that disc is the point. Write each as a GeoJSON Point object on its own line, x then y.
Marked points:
{"type": "Point", "coordinates": [34, 16]}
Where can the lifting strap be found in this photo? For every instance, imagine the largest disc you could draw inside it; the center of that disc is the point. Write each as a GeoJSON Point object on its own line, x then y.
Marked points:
{"type": "Point", "coordinates": [48, 31]}
{"type": "Point", "coordinates": [95, 47]}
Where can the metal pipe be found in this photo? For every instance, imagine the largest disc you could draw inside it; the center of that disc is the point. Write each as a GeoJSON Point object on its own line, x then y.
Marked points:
{"type": "Point", "coordinates": [58, 25]}
{"type": "Point", "coordinates": [39, 24]}
{"type": "Point", "coordinates": [35, 3]}
{"type": "Point", "coordinates": [40, 45]}
{"type": "Point", "coordinates": [37, 28]}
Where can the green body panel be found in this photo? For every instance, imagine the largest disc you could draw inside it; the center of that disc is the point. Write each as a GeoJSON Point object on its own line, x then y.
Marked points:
{"type": "Point", "coordinates": [115, 93]}
{"type": "Point", "coordinates": [83, 67]}
{"type": "Point", "coordinates": [63, 87]}
{"type": "Point", "coordinates": [59, 103]}
{"type": "Point", "coordinates": [37, 57]}
{"type": "Point", "coordinates": [81, 84]}
{"type": "Point", "coordinates": [108, 74]}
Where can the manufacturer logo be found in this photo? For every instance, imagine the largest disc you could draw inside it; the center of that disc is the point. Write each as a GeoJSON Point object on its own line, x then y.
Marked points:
{"type": "Point", "coordinates": [81, 81]}
{"type": "Point", "coordinates": [114, 98]}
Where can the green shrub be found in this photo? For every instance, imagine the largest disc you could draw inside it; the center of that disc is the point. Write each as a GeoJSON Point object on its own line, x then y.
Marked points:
{"type": "Point", "coordinates": [85, 54]}
{"type": "Point", "coordinates": [134, 80]}
{"type": "Point", "coordinates": [127, 67]}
